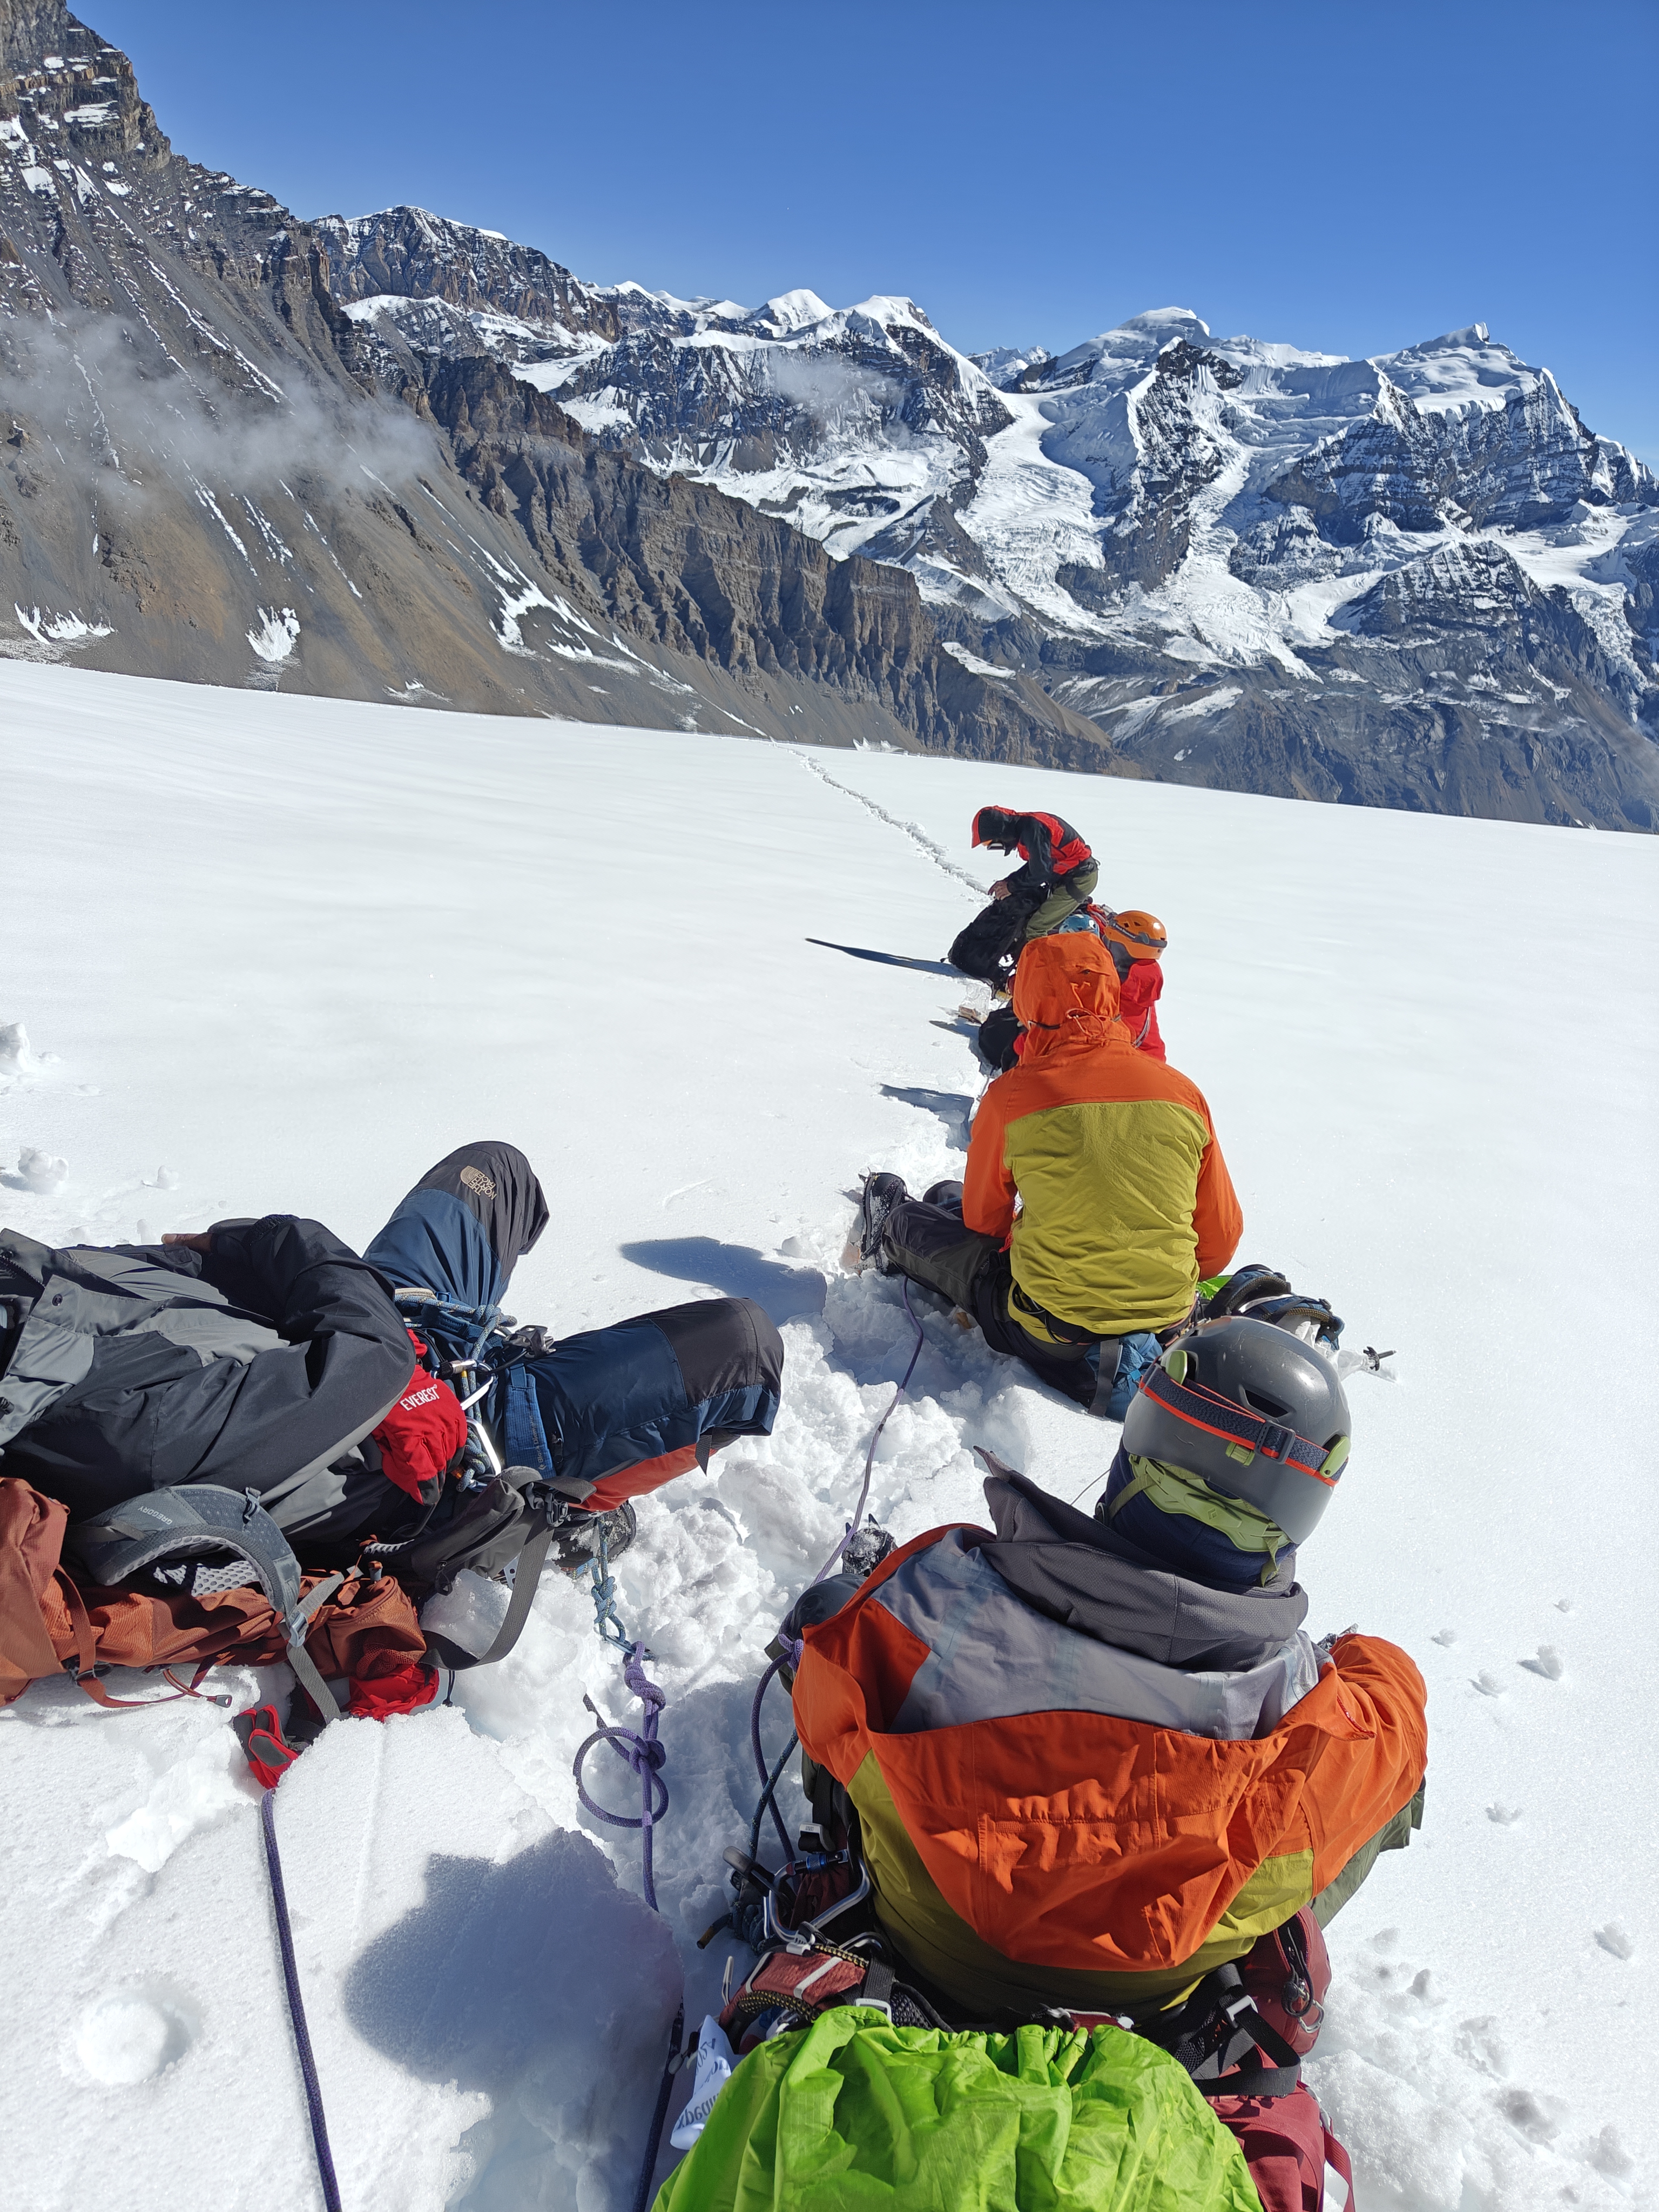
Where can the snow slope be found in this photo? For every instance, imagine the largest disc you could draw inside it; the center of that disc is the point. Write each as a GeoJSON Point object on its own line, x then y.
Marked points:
{"type": "Point", "coordinates": [274, 953]}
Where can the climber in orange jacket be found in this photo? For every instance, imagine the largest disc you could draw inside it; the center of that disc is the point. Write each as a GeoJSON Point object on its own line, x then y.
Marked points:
{"type": "Point", "coordinates": [1094, 1759]}
{"type": "Point", "coordinates": [1096, 1199]}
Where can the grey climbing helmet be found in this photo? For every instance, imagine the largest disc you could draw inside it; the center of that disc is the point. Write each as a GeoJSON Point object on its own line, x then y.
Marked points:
{"type": "Point", "coordinates": [1255, 1412]}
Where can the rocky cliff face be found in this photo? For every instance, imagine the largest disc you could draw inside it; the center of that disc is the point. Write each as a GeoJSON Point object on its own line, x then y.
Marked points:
{"type": "Point", "coordinates": [397, 456]}
{"type": "Point", "coordinates": [211, 468]}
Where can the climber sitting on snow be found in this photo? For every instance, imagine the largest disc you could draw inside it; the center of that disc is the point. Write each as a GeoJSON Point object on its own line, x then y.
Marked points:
{"type": "Point", "coordinates": [1059, 874]}
{"type": "Point", "coordinates": [1137, 942]}
{"type": "Point", "coordinates": [1125, 1202]}
{"type": "Point", "coordinates": [267, 1356]}
{"type": "Point", "coordinates": [1122, 1715]}
{"type": "Point", "coordinates": [1100, 1770]}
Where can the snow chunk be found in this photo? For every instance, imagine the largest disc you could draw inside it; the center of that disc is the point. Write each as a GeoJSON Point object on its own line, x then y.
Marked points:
{"type": "Point", "coordinates": [131, 2038]}
{"type": "Point", "coordinates": [276, 635]}
{"type": "Point", "coordinates": [39, 1171]}
{"type": "Point", "coordinates": [16, 1057]}
{"type": "Point", "coordinates": [59, 630]}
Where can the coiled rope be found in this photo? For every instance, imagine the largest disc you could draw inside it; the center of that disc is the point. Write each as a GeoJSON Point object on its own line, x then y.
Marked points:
{"type": "Point", "coordinates": [640, 1750]}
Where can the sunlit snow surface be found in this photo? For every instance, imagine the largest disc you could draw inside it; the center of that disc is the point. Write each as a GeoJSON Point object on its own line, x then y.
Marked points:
{"type": "Point", "coordinates": [272, 952]}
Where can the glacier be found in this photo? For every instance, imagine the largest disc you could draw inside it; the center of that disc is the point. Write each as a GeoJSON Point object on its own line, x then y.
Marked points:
{"type": "Point", "coordinates": [294, 948]}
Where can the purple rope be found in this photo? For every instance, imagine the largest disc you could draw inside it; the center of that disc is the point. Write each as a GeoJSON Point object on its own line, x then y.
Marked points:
{"type": "Point", "coordinates": [792, 1656]}
{"type": "Point", "coordinates": [296, 2010]}
{"type": "Point", "coordinates": [857, 1520]}
{"type": "Point", "coordinates": [640, 1750]}
{"type": "Point", "coordinates": [761, 1767]}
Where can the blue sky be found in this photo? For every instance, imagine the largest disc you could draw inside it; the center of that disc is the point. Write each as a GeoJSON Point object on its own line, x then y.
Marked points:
{"type": "Point", "coordinates": [1344, 177]}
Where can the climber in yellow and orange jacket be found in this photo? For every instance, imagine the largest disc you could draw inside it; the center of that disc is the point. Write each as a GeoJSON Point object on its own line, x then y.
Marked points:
{"type": "Point", "coordinates": [1124, 1201]}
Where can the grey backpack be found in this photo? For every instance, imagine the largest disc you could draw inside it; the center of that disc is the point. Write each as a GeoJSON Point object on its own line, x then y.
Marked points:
{"type": "Point", "coordinates": [198, 1538]}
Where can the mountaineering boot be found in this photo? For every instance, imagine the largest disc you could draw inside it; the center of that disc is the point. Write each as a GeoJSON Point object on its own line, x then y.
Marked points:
{"type": "Point", "coordinates": [866, 1549]}
{"type": "Point", "coordinates": [1263, 1294]}
{"type": "Point", "coordinates": [576, 1541]}
{"type": "Point", "coordinates": [881, 1193]}
{"type": "Point", "coordinates": [947, 1195]}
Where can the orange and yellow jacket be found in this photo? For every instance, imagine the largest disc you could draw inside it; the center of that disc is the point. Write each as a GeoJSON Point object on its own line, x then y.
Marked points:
{"type": "Point", "coordinates": [1125, 1201]}
{"type": "Point", "coordinates": [1049, 1820]}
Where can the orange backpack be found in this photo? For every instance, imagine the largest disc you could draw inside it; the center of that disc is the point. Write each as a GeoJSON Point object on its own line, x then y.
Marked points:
{"type": "Point", "coordinates": [51, 1626]}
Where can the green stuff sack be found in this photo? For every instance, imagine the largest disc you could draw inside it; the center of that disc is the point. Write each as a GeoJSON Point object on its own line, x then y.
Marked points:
{"type": "Point", "coordinates": [853, 2112]}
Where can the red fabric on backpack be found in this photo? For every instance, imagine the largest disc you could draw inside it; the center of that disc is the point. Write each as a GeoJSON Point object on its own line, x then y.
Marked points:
{"type": "Point", "coordinates": [1296, 2162]}
{"type": "Point", "coordinates": [423, 1433]}
{"type": "Point", "coordinates": [385, 1695]}
{"type": "Point", "coordinates": [368, 1631]}
{"type": "Point", "coordinates": [1138, 997]}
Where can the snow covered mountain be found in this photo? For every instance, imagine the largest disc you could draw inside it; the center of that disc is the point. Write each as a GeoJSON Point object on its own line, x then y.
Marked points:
{"type": "Point", "coordinates": [200, 477]}
{"type": "Point", "coordinates": [1417, 581]}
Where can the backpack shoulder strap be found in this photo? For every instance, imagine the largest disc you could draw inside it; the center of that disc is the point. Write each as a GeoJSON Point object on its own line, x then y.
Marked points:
{"type": "Point", "coordinates": [185, 1520]}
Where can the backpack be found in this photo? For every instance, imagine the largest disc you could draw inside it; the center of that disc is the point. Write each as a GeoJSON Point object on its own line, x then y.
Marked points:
{"type": "Point", "coordinates": [365, 1630]}
{"type": "Point", "coordinates": [199, 1539]}
{"type": "Point", "coordinates": [819, 1948]}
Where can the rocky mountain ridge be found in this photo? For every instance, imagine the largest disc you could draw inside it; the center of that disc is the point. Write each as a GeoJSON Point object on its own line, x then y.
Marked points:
{"type": "Point", "coordinates": [1417, 581]}
{"type": "Point", "coordinates": [207, 470]}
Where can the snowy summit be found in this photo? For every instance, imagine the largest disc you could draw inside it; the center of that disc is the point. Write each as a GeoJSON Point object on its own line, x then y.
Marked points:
{"type": "Point", "coordinates": [448, 470]}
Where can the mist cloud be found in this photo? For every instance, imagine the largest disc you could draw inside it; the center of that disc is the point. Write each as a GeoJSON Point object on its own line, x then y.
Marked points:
{"type": "Point", "coordinates": [122, 420]}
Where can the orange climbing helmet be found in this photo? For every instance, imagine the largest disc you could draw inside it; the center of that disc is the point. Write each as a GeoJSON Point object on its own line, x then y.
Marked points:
{"type": "Point", "coordinates": [1142, 935]}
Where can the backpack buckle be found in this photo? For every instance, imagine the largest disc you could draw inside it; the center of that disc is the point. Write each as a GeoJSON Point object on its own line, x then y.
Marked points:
{"type": "Point", "coordinates": [1276, 1441]}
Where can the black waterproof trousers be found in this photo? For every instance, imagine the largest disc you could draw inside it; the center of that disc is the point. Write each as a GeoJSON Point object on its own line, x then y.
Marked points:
{"type": "Point", "coordinates": [926, 1240]}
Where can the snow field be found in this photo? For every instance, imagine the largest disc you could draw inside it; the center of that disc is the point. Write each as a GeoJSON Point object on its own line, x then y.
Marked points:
{"type": "Point", "coordinates": [295, 950]}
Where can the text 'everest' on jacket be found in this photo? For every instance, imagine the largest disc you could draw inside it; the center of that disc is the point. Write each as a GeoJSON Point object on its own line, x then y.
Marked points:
{"type": "Point", "coordinates": [1125, 1203]}
{"type": "Point", "coordinates": [1080, 1781]}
